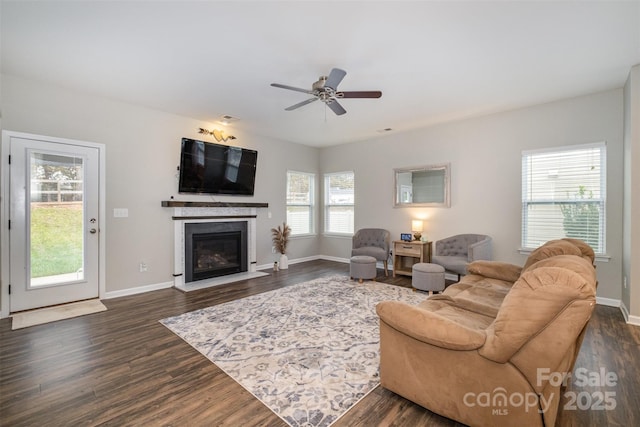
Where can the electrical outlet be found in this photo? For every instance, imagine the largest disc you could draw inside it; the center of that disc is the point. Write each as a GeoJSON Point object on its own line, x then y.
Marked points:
{"type": "Point", "coordinates": [143, 267]}
{"type": "Point", "coordinates": [624, 282]}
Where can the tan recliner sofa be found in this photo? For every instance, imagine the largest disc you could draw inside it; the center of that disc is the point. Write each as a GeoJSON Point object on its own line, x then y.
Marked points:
{"type": "Point", "coordinates": [489, 350]}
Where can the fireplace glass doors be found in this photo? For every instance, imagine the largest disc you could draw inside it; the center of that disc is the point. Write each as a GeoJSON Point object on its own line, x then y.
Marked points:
{"type": "Point", "coordinates": [214, 249]}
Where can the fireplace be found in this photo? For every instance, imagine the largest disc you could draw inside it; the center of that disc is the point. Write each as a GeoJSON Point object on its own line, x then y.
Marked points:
{"type": "Point", "coordinates": [211, 218]}
{"type": "Point", "coordinates": [214, 249]}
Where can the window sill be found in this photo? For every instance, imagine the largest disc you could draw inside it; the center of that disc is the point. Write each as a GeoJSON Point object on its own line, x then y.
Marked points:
{"type": "Point", "coordinates": [599, 257]}
{"type": "Point", "coordinates": [338, 235]}
{"type": "Point", "coordinates": [303, 236]}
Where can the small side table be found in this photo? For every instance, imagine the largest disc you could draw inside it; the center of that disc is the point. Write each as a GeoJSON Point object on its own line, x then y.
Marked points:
{"type": "Point", "coordinates": [405, 254]}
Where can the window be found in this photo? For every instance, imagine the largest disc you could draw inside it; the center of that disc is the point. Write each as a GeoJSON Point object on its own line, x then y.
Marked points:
{"type": "Point", "coordinates": [300, 197]}
{"type": "Point", "coordinates": [564, 195]}
{"type": "Point", "coordinates": [339, 198]}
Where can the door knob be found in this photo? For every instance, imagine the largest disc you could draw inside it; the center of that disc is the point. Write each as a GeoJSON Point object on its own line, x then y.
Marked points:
{"type": "Point", "coordinates": [93, 231]}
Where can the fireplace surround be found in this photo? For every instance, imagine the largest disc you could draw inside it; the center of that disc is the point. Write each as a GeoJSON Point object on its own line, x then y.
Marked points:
{"type": "Point", "coordinates": [214, 217]}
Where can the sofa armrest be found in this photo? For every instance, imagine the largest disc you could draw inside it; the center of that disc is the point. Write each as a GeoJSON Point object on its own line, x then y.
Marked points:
{"type": "Point", "coordinates": [495, 270]}
{"type": "Point", "coordinates": [429, 327]}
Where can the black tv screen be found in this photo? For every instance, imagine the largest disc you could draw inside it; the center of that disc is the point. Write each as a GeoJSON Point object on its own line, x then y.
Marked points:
{"type": "Point", "coordinates": [210, 168]}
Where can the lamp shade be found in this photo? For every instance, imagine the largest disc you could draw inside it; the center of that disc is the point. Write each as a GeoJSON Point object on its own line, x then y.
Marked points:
{"type": "Point", "coordinates": [416, 225]}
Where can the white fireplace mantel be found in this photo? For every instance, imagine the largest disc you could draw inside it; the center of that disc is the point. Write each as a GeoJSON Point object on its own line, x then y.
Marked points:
{"type": "Point", "coordinates": [196, 212]}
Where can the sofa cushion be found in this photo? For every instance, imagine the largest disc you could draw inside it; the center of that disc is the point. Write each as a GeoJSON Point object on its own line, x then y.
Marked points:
{"type": "Point", "coordinates": [477, 294]}
{"type": "Point", "coordinates": [495, 270]}
{"type": "Point", "coordinates": [377, 253]}
{"type": "Point", "coordinates": [587, 251]}
{"type": "Point", "coordinates": [549, 249]}
{"type": "Point", "coordinates": [578, 264]}
{"type": "Point", "coordinates": [534, 301]}
{"type": "Point", "coordinates": [437, 323]}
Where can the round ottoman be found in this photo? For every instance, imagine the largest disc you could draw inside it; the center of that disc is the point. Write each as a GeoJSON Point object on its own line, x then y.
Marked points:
{"type": "Point", "coordinates": [362, 267]}
{"type": "Point", "coordinates": [427, 277]}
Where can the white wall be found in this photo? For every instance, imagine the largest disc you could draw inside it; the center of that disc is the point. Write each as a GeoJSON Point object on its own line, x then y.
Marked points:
{"type": "Point", "coordinates": [142, 148]}
{"type": "Point", "coordinates": [142, 153]}
{"type": "Point", "coordinates": [631, 226]}
{"type": "Point", "coordinates": [485, 157]}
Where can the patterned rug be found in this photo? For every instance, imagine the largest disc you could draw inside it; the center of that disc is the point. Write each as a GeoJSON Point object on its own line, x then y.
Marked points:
{"type": "Point", "coordinates": [309, 352]}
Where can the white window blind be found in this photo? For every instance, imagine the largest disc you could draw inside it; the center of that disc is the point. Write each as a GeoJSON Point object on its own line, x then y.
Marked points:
{"type": "Point", "coordinates": [339, 202]}
{"type": "Point", "coordinates": [564, 195]}
{"type": "Point", "coordinates": [300, 202]}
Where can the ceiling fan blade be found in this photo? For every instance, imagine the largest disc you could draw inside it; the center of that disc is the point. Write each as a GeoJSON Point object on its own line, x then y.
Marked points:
{"type": "Point", "coordinates": [360, 94]}
{"type": "Point", "coordinates": [301, 104]}
{"type": "Point", "coordinates": [336, 108]}
{"type": "Point", "coordinates": [297, 89]}
{"type": "Point", "coordinates": [335, 77]}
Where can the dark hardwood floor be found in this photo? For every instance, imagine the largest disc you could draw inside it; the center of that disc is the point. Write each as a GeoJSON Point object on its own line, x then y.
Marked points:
{"type": "Point", "coordinates": [123, 368]}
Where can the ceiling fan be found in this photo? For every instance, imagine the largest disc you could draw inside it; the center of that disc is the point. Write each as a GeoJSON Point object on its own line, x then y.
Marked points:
{"type": "Point", "coordinates": [326, 90]}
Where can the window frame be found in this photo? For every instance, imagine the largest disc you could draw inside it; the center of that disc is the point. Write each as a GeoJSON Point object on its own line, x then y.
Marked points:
{"type": "Point", "coordinates": [311, 205]}
{"type": "Point", "coordinates": [327, 205]}
{"type": "Point", "coordinates": [600, 201]}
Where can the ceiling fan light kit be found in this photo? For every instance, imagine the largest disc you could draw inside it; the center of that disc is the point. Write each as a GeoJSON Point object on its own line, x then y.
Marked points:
{"type": "Point", "coordinates": [326, 90]}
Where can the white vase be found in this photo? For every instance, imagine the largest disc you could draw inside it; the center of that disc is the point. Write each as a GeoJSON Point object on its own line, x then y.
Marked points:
{"type": "Point", "coordinates": [284, 262]}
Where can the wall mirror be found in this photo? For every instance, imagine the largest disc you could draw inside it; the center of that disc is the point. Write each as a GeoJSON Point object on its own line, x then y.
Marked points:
{"type": "Point", "coordinates": [422, 186]}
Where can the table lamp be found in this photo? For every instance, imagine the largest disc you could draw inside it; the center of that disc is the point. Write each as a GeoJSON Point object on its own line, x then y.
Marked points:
{"type": "Point", "coordinates": [416, 227]}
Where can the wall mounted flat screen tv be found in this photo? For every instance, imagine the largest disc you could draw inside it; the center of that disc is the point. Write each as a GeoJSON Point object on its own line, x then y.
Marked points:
{"type": "Point", "coordinates": [210, 168]}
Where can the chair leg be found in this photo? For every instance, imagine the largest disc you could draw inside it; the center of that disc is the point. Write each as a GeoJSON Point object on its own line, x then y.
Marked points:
{"type": "Point", "coordinates": [386, 271]}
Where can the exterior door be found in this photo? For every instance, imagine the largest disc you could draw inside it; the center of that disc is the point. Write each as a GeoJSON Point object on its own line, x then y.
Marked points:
{"type": "Point", "coordinates": [53, 213]}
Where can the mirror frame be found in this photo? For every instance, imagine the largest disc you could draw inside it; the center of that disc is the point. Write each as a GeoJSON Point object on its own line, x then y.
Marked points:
{"type": "Point", "coordinates": [446, 167]}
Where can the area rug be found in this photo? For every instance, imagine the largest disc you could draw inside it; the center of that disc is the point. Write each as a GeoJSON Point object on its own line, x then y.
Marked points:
{"type": "Point", "coordinates": [52, 314]}
{"type": "Point", "coordinates": [309, 352]}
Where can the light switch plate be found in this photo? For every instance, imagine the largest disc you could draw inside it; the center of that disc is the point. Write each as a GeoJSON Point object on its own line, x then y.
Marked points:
{"type": "Point", "coordinates": [120, 212]}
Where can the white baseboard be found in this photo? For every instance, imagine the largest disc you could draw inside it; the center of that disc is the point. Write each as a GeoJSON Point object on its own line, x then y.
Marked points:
{"type": "Point", "coordinates": [305, 259]}
{"type": "Point", "coordinates": [631, 320]}
{"type": "Point", "coordinates": [137, 290]}
{"type": "Point", "coordinates": [634, 320]}
{"type": "Point", "coordinates": [625, 311]}
{"type": "Point", "coordinates": [333, 258]}
{"type": "Point", "coordinates": [291, 261]}
{"type": "Point", "coordinates": [609, 302]}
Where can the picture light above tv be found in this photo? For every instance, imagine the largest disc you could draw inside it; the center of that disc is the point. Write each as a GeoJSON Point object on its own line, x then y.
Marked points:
{"type": "Point", "coordinates": [209, 168]}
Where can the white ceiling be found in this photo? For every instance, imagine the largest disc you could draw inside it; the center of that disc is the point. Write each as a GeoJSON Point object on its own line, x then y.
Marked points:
{"type": "Point", "coordinates": [433, 61]}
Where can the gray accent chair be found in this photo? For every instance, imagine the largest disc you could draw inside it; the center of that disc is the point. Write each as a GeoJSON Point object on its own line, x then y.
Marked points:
{"type": "Point", "coordinates": [375, 242]}
{"type": "Point", "coordinates": [456, 252]}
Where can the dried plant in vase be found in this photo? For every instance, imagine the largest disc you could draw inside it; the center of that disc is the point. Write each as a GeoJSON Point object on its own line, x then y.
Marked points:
{"type": "Point", "coordinates": [280, 237]}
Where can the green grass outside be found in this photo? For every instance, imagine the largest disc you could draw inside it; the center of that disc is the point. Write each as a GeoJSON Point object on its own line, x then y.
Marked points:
{"type": "Point", "coordinates": [56, 239]}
